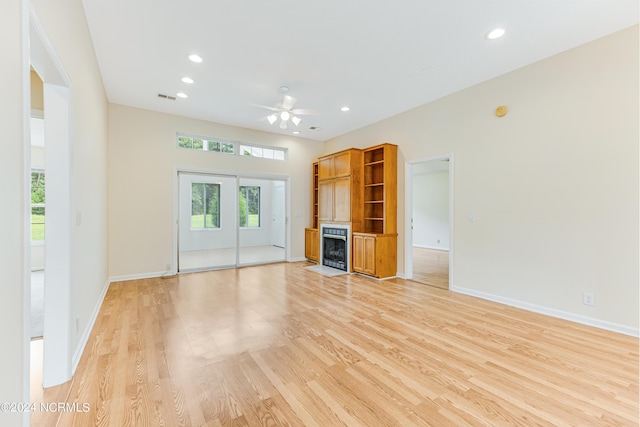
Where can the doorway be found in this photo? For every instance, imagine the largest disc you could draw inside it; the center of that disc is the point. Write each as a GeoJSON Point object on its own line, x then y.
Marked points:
{"type": "Point", "coordinates": [429, 210]}
{"type": "Point", "coordinates": [226, 221]}
{"type": "Point", "coordinates": [56, 95]}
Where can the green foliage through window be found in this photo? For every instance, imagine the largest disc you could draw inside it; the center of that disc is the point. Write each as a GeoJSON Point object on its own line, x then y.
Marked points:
{"type": "Point", "coordinates": [205, 144]}
{"type": "Point", "coordinates": [249, 206]}
{"type": "Point", "coordinates": [205, 205]}
{"type": "Point", "coordinates": [37, 205]}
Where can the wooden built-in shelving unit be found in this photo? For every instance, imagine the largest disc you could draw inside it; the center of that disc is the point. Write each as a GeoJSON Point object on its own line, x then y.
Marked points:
{"type": "Point", "coordinates": [380, 189]}
{"type": "Point", "coordinates": [375, 246]}
{"type": "Point", "coordinates": [311, 235]}
{"type": "Point", "coordinates": [314, 196]}
{"type": "Point", "coordinates": [359, 188]}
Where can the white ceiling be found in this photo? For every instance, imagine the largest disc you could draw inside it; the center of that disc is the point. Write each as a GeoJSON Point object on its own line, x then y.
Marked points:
{"type": "Point", "coordinates": [379, 57]}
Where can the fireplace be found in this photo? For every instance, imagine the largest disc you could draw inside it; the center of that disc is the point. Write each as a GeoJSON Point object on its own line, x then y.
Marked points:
{"type": "Point", "coordinates": [334, 246]}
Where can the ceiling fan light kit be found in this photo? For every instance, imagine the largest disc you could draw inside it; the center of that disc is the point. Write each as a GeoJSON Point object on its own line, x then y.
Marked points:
{"type": "Point", "coordinates": [284, 111]}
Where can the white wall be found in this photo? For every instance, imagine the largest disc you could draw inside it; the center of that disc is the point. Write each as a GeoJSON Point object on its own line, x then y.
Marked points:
{"type": "Point", "coordinates": [431, 207]}
{"type": "Point", "coordinates": [65, 27]}
{"type": "Point", "coordinates": [14, 82]}
{"type": "Point", "coordinates": [143, 159]}
{"type": "Point", "coordinates": [554, 183]}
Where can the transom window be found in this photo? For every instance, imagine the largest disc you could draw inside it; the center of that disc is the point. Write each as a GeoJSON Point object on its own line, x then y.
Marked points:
{"type": "Point", "coordinates": [205, 205]}
{"type": "Point", "coordinates": [264, 152]}
{"type": "Point", "coordinates": [195, 143]}
{"type": "Point", "coordinates": [249, 206]}
{"type": "Point", "coordinates": [229, 147]}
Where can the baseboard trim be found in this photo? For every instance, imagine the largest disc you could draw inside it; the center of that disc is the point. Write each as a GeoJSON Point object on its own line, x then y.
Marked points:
{"type": "Point", "coordinates": [141, 276]}
{"type": "Point", "coordinates": [297, 259]}
{"type": "Point", "coordinates": [77, 355]}
{"type": "Point", "coordinates": [560, 314]}
{"type": "Point", "coordinates": [432, 247]}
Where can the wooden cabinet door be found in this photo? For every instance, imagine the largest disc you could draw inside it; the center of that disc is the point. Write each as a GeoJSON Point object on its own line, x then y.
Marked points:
{"type": "Point", "coordinates": [325, 168]}
{"type": "Point", "coordinates": [325, 201]}
{"type": "Point", "coordinates": [358, 253]}
{"type": "Point", "coordinates": [369, 243]}
{"type": "Point", "coordinates": [342, 164]}
{"type": "Point", "coordinates": [311, 244]}
{"type": "Point", "coordinates": [342, 199]}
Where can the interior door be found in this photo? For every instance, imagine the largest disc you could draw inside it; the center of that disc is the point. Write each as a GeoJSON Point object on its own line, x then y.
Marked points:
{"type": "Point", "coordinates": [207, 227]}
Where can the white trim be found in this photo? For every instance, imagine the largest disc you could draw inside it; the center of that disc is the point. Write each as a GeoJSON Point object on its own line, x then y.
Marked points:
{"type": "Point", "coordinates": [77, 354]}
{"type": "Point", "coordinates": [436, 248]}
{"type": "Point", "coordinates": [140, 276]}
{"type": "Point", "coordinates": [560, 314]}
{"type": "Point", "coordinates": [26, 267]}
{"type": "Point", "coordinates": [298, 259]}
{"type": "Point", "coordinates": [408, 213]}
{"type": "Point", "coordinates": [44, 60]}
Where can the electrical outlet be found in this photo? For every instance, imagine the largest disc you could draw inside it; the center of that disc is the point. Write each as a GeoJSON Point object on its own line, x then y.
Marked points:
{"type": "Point", "coordinates": [167, 267]}
{"type": "Point", "coordinates": [588, 299]}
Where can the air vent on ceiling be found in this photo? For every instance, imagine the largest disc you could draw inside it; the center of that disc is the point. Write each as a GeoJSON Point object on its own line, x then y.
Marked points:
{"type": "Point", "coordinates": [314, 128]}
{"type": "Point", "coordinates": [170, 98]}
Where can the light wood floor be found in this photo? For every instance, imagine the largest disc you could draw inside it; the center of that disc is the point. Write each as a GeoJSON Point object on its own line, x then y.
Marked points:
{"type": "Point", "coordinates": [431, 267]}
{"type": "Point", "coordinates": [280, 345]}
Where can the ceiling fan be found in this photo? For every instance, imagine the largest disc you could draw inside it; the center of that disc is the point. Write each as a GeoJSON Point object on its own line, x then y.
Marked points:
{"type": "Point", "coordinates": [284, 110]}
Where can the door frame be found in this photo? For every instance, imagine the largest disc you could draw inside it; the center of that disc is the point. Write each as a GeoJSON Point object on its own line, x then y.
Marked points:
{"type": "Point", "coordinates": [408, 210]}
{"type": "Point", "coordinates": [57, 358]}
{"type": "Point", "coordinates": [229, 173]}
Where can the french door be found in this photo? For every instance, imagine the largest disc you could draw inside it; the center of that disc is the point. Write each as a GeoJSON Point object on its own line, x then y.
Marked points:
{"type": "Point", "coordinates": [226, 221]}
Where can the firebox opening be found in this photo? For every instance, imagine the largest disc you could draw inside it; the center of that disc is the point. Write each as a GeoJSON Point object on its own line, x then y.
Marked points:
{"type": "Point", "coordinates": [335, 247]}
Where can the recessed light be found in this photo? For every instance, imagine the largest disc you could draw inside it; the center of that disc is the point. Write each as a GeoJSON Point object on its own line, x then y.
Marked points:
{"type": "Point", "coordinates": [195, 58]}
{"type": "Point", "coordinates": [187, 80]}
{"type": "Point", "coordinates": [496, 33]}
{"type": "Point", "coordinates": [182, 95]}
{"type": "Point", "coordinates": [296, 132]}
{"type": "Point", "coordinates": [345, 108]}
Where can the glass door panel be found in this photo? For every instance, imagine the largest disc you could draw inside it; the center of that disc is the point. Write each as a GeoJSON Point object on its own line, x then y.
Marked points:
{"type": "Point", "coordinates": [261, 220]}
{"type": "Point", "coordinates": [207, 231]}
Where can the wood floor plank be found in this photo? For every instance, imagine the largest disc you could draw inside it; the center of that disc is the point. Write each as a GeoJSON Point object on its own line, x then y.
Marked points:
{"type": "Point", "coordinates": [279, 345]}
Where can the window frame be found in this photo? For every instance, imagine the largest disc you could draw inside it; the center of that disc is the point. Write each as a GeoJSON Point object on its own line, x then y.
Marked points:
{"type": "Point", "coordinates": [251, 227]}
{"type": "Point", "coordinates": [36, 206]}
{"type": "Point", "coordinates": [205, 143]}
{"type": "Point", "coordinates": [204, 207]}
{"type": "Point", "coordinates": [245, 145]}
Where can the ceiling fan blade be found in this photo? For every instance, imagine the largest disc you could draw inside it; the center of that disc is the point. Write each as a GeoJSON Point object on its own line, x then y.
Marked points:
{"type": "Point", "coordinates": [265, 107]}
{"type": "Point", "coordinates": [304, 112]}
{"type": "Point", "coordinates": [288, 102]}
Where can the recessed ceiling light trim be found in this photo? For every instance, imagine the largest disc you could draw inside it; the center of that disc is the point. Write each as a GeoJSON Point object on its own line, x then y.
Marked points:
{"type": "Point", "coordinates": [187, 80]}
{"type": "Point", "coordinates": [182, 95]}
{"type": "Point", "coordinates": [195, 58]}
{"type": "Point", "coordinates": [345, 108]}
{"type": "Point", "coordinates": [495, 34]}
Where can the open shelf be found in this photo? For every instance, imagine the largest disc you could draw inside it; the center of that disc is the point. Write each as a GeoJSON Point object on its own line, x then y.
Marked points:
{"type": "Point", "coordinates": [379, 179]}
{"type": "Point", "coordinates": [314, 196]}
